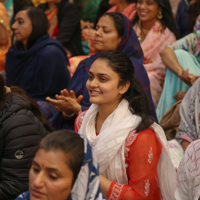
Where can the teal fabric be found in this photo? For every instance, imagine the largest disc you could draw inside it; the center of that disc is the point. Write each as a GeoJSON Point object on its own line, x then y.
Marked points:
{"type": "Point", "coordinates": [173, 83]}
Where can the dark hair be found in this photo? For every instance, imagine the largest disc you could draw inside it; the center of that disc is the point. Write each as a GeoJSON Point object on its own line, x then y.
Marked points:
{"type": "Point", "coordinates": [40, 24]}
{"type": "Point", "coordinates": [34, 106]}
{"type": "Point", "coordinates": [167, 19]}
{"type": "Point", "coordinates": [121, 64]}
{"type": "Point", "coordinates": [118, 22]}
{"type": "Point", "coordinates": [194, 11]}
{"type": "Point", "coordinates": [70, 143]}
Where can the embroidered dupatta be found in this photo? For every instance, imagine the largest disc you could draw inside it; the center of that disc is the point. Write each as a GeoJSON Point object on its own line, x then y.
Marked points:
{"type": "Point", "coordinates": [108, 146]}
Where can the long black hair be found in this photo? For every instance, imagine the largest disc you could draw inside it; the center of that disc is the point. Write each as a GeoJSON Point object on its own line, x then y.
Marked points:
{"type": "Point", "coordinates": [121, 64]}
{"type": "Point", "coordinates": [68, 142]}
{"type": "Point", "coordinates": [167, 19]}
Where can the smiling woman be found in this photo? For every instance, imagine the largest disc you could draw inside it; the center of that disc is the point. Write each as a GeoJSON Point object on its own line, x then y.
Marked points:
{"type": "Point", "coordinates": [63, 168]}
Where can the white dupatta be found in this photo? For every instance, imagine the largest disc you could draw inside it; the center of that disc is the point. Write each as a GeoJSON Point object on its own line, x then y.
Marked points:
{"type": "Point", "coordinates": [108, 146]}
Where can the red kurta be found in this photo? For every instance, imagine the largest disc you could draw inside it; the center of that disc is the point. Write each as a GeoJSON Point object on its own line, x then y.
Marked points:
{"type": "Point", "coordinates": [142, 153]}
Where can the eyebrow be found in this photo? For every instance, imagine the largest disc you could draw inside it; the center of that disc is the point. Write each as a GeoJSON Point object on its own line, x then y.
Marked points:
{"type": "Point", "coordinates": [48, 168]}
{"type": "Point", "coordinates": [99, 74]}
{"type": "Point", "coordinates": [19, 18]}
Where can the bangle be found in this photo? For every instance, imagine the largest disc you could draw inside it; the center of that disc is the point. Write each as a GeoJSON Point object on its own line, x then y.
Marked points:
{"type": "Point", "coordinates": [68, 116]}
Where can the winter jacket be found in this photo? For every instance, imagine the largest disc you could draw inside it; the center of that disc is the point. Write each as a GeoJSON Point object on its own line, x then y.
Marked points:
{"type": "Point", "coordinates": [20, 134]}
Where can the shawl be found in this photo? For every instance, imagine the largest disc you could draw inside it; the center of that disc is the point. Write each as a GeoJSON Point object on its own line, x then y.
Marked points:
{"type": "Point", "coordinates": [129, 11]}
{"type": "Point", "coordinates": [131, 47]}
{"type": "Point", "coordinates": [4, 21]}
{"type": "Point", "coordinates": [41, 71]}
{"type": "Point", "coordinates": [158, 37]}
{"type": "Point", "coordinates": [86, 186]}
{"type": "Point", "coordinates": [188, 179]}
{"type": "Point", "coordinates": [109, 146]}
{"type": "Point", "coordinates": [189, 112]}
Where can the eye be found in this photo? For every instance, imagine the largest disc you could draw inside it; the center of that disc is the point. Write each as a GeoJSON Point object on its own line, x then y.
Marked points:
{"type": "Point", "coordinates": [140, 2]}
{"type": "Point", "coordinates": [97, 27]}
{"type": "Point", "coordinates": [102, 79]}
{"type": "Point", "coordinates": [90, 78]}
{"type": "Point", "coordinates": [53, 177]}
{"type": "Point", "coordinates": [149, 3]}
{"type": "Point", "coordinates": [36, 170]}
{"type": "Point", "coordinates": [20, 21]}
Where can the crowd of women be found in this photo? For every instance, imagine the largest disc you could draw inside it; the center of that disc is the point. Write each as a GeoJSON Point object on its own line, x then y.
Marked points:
{"type": "Point", "coordinates": [84, 85]}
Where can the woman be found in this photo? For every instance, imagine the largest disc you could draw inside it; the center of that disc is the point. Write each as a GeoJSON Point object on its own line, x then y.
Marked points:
{"type": "Point", "coordinates": [113, 32]}
{"type": "Point", "coordinates": [155, 28]}
{"type": "Point", "coordinates": [5, 36]}
{"type": "Point", "coordinates": [194, 15]}
{"type": "Point", "coordinates": [64, 22]}
{"type": "Point", "coordinates": [22, 126]}
{"type": "Point", "coordinates": [129, 146]}
{"type": "Point", "coordinates": [63, 168]}
{"type": "Point", "coordinates": [35, 62]}
{"type": "Point", "coordinates": [188, 187]}
{"type": "Point", "coordinates": [126, 7]}
{"type": "Point", "coordinates": [182, 60]}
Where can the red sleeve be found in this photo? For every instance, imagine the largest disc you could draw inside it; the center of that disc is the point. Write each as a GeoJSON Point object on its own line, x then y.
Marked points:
{"type": "Point", "coordinates": [142, 160]}
{"type": "Point", "coordinates": [79, 120]}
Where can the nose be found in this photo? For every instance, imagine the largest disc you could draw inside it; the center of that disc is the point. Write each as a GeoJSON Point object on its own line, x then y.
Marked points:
{"type": "Point", "coordinates": [93, 83]}
{"type": "Point", "coordinates": [39, 180]}
{"type": "Point", "coordinates": [14, 25]}
{"type": "Point", "coordinates": [98, 32]}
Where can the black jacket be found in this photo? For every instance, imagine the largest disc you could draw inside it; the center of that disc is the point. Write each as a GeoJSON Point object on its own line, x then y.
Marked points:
{"type": "Point", "coordinates": [69, 26]}
{"type": "Point", "coordinates": [20, 134]}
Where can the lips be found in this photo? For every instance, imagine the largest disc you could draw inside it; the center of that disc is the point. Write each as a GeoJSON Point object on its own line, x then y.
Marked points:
{"type": "Point", "coordinates": [36, 193]}
{"type": "Point", "coordinates": [94, 93]}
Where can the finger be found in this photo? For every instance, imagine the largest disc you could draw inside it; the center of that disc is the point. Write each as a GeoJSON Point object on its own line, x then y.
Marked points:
{"type": "Point", "coordinates": [52, 101]}
{"type": "Point", "coordinates": [61, 97]}
{"type": "Point", "coordinates": [79, 99]}
{"type": "Point", "coordinates": [72, 94]}
{"type": "Point", "coordinates": [65, 93]}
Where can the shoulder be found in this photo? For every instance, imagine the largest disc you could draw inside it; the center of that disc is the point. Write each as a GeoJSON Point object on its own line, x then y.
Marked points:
{"type": "Point", "coordinates": [24, 196]}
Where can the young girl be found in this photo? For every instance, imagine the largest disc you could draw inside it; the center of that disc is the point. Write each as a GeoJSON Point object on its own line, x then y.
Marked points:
{"type": "Point", "coordinates": [131, 149]}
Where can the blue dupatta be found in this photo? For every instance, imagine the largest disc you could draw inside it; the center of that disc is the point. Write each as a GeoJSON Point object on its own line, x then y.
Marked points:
{"type": "Point", "coordinates": [86, 186]}
{"type": "Point", "coordinates": [131, 47]}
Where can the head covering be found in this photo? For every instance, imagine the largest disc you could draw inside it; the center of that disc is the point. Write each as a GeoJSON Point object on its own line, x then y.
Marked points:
{"type": "Point", "coordinates": [86, 186]}
{"type": "Point", "coordinates": [188, 174]}
{"type": "Point", "coordinates": [189, 113]}
{"type": "Point", "coordinates": [41, 70]}
{"type": "Point", "coordinates": [131, 47]}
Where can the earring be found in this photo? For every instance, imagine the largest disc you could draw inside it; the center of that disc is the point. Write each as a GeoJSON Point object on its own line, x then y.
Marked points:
{"type": "Point", "coordinates": [159, 15]}
{"type": "Point", "coordinates": [123, 91]}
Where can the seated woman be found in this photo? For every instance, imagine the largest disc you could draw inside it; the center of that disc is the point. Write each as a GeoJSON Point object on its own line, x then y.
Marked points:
{"type": "Point", "coordinates": [35, 62]}
{"type": "Point", "coordinates": [5, 36]}
{"type": "Point", "coordinates": [64, 22]}
{"type": "Point", "coordinates": [182, 60]}
{"type": "Point", "coordinates": [63, 168]}
{"type": "Point", "coordinates": [126, 7]}
{"type": "Point", "coordinates": [189, 112]}
{"type": "Point", "coordinates": [188, 187]}
{"type": "Point", "coordinates": [155, 28]}
{"type": "Point", "coordinates": [130, 148]}
{"type": "Point", "coordinates": [113, 32]}
{"type": "Point", "coordinates": [22, 127]}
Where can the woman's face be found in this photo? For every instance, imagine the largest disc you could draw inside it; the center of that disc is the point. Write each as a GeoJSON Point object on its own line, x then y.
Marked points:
{"type": "Point", "coordinates": [147, 10]}
{"type": "Point", "coordinates": [106, 36]}
{"type": "Point", "coordinates": [50, 178]}
{"type": "Point", "coordinates": [103, 84]}
{"type": "Point", "coordinates": [22, 27]}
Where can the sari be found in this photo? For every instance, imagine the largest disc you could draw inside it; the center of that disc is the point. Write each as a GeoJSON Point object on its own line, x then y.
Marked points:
{"type": "Point", "coordinates": [131, 47]}
{"type": "Point", "coordinates": [187, 51]}
{"type": "Point", "coordinates": [4, 23]}
{"type": "Point", "coordinates": [158, 37]}
{"type": "Point", "coordinates": [129, 11]}
{"type": "Point", "coordinates": [86, 186]}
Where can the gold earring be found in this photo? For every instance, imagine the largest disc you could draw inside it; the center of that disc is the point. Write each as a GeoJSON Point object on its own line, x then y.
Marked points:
{"type": "Point", "coordinates": [159, 15]}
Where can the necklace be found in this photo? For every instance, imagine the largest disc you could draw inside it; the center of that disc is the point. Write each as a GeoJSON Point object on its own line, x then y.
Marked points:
{"type": "Point", "coordinates": [142, 34]}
